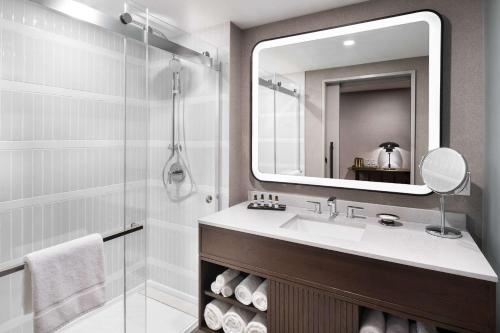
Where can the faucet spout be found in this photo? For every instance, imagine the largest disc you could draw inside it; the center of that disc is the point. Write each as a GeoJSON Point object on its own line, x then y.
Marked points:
{"type": "Point", "coordinates": [332, 204]}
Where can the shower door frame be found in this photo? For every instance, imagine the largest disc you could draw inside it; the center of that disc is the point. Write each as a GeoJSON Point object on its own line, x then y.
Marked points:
{"type": "Point", "coordinates": [90, 15]}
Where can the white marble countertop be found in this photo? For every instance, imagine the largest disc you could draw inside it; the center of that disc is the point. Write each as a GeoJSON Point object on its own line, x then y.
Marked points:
{"type": "Point", "coordinates": [407, 245]}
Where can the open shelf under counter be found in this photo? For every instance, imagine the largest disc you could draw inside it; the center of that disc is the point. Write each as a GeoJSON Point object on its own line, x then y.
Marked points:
{"type": "Point", "coordinates": [233, 301]}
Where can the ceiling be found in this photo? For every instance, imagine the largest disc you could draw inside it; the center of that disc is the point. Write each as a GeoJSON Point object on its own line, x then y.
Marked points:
{"type": "Point", "coordinates": [370, 46]}
{"type": "Point", "coordinates": [195, 15]}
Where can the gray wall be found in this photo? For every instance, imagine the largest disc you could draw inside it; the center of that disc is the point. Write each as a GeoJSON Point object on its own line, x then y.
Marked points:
{"type": "Point", "coordinates": [492, 197]}
{"type": "Point", "coordinates": [368, 118]}
{"type": "Point", "coordinates": [235, 121]}
{"type": "Point", "coordinates": [463, 111]}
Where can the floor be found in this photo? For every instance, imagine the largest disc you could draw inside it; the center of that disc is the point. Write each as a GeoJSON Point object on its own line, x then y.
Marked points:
{"type": "Point", "coordinates": [109, 319]}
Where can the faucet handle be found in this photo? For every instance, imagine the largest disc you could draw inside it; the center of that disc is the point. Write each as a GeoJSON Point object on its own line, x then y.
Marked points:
{"type": "Point", "coordinates": [351, 212]}
{"type": "Point", "coordinates": [317, 206]}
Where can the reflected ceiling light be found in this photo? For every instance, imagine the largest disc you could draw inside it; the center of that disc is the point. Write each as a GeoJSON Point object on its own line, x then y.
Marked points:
{"type": "Point", "coordinates": [349, 42]}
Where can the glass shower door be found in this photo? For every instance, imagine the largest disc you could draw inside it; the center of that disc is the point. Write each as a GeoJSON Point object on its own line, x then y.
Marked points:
{"type": "Point", "coordinates": [66, 166]}
{"type": "Point", "coordinates": [183, 176]}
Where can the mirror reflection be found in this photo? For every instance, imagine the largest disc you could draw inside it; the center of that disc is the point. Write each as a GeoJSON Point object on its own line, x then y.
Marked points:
{"type": "Point", "coordinates": [353, 107]}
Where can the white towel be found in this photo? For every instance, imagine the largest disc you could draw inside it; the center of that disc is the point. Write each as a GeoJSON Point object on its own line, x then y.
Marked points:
{"type": "Point", "coordinates": [425, 328]}
{"type": "Point", "coordinates": [215, 287]}
{"type": "Point", "coordinates": [67, 280]}
{"type": "Point", "coordinates": [413, 327]}
{"type": "Point", "coordinates": [228, 289]}
{"type": "Point", "coordinates": [259, 297]}
{"type": "Point", "coordinates": [214, 312]}
{"type": "Point", "coordinates": [257, 325]}
{"type": "Point", "coordinates": [246, 288]}
{"type": "Point", "coordinates": [397, 325]}
{"type": "Point", "coordinates": [373, 322]}
{"type": "Point", "coordinates": [226, 276]}
{"type": "Point", "coordinates": [236, 320]}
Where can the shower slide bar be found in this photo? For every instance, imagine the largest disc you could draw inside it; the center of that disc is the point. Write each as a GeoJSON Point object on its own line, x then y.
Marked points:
{"type": "Point", "coordinates": [133, 228]}
{"type": "Point", "coordinates": [90, 15]}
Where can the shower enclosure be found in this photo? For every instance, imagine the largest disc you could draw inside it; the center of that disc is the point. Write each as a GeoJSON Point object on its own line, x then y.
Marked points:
{"type": "Point", "coordinates": [106, 126]}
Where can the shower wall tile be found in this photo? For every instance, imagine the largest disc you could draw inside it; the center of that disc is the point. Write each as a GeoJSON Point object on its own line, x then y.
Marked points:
{"type": "Point", "coordinates": [72, 148]}
{"type": "Point", "coordinates": [172, 224]}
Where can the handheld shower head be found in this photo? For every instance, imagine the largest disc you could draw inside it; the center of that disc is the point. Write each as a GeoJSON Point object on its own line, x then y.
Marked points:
{"type": "Point", "coordinates": [175, 65]}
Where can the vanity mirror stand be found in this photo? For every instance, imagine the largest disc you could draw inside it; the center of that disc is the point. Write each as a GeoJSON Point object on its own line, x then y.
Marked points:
{"type": "Point", "coordinates": [446, 173]}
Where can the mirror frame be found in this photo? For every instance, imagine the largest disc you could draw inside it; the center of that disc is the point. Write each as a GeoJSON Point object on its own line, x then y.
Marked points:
{"type": "Point", "coordinates": [434, 21]}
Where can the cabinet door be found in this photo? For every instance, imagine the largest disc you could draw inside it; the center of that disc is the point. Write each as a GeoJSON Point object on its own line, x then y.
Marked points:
{"type": "Point", "coordinates": [299, 309]}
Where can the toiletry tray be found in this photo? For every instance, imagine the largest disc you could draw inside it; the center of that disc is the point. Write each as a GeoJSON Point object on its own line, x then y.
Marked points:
{"type": "Point", "coordinates": [281, 207]}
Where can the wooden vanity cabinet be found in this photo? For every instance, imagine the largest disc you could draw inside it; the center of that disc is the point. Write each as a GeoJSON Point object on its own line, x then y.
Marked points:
{"type": "Point", "coordinates": [318, 290]}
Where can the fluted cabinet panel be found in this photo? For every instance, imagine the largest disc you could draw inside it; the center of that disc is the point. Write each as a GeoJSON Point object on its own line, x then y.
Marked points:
{"type": "Point", "coordinates": [299, 309]}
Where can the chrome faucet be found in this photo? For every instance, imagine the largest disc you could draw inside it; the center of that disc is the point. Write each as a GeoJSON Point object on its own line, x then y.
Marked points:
{"type": "Point", "coordinates": [317, 206]}
{"type": "Point", "coordinates": [332, 204]}
{"type": "Point", "coordinates": [351, 213]}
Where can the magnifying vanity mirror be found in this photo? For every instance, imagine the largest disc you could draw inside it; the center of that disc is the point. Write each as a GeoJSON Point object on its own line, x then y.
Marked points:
{"type": "Point", "coordinates": [445, 172]}
{"type": "Point", "coordinates": [355, 106]}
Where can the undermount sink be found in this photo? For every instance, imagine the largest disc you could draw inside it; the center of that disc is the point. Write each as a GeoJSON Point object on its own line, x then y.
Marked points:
{"type": "Point", "coordinates": [324, 227]}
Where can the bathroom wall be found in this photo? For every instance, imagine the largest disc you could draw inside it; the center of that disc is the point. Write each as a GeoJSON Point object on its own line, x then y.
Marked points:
{"type": "Point", "coordinates": [236, 191]}
{"type": "Point", "coordinates": [62, 145]}
{"type": "Point", "coordinates": [463, 112]}
{"type": "Point", "coordinates": [314, 100]}
{"type": "Point", "coordinates": [173, 211]}
{"type": "Point", "coordinates": [492, 157]}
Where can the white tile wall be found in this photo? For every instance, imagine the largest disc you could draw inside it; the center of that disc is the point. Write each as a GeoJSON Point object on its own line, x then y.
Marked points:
{"type": "Point", "coordinates": [64, 148]}
{"type": "Point", "coordinates": [74, 160]}
{"type": "Point", "coordinates": [172, 234]}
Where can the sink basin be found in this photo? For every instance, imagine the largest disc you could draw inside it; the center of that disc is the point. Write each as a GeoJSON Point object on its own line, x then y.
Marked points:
{"type": "Point", "coordinates": [325, 227]}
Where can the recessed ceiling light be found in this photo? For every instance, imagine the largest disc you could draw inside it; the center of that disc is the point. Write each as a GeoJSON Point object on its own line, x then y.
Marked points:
{"type": "Point", "coordinates": [349, 42]}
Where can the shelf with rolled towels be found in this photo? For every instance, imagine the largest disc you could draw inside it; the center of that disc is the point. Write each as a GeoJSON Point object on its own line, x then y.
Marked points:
{"type": "Point", "coordinates": [237, 302]}
{"type": "Point", "coordinates": [374, 321]}
{"type": "Point", "coordinates": [247, 288]}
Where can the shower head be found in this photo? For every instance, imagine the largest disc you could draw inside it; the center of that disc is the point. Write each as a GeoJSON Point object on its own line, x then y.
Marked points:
{"type": "Point", "coordinates": [175, 65]}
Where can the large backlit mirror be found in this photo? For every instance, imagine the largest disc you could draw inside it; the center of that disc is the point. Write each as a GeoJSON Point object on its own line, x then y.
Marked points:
{"type": "Point", "coordinates": [356, 106]}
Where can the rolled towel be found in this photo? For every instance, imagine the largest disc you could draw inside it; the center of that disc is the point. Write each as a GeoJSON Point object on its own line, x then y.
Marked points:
{"type": "Point", "coordinates": [227, 290]}
{"type": "Point", "coordinates": [259, 297]}
{"type": "Point", "coordinates": [226, 276]}
{"type": "Point", "coordinates": [397, 325]}
{"type": "Point", "coordinates": [373, 322]}
{"type": "Point", "coordinates": [236, 320]}
{"type": "Point", "coordinates": [215, 287]}
{"type": "Point", "coordinates": [425, 328]}
{"type": "Point", "coordinates": [214, 313]}
{"type": "Point", "coordinates": [258, 324]}
{"type": "Point", "coordinates": [246, 288]}
{"type": "Point", "coordinates": [413, 327]}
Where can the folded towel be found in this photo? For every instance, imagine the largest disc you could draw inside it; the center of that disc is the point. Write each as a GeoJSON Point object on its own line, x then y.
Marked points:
{"type": "Point", "coordinates": [226, 276]}
{"type": "Point", "coordinates": [373, 322]}
{"type": "Point", "coordinates": [214, 312]}
{"type": "Point", "coordinates": [397, 325]}
{"type": "Point", "coordinates": [236, 320]}
{"type": "Point", "coordinates": [246, 288]}
{"type": "Point", "coordinates": [425, 328]}
{"type": "Point", "coordinates": [413, 327]}
{"type": "Point", "coordinates": [257, 325]}
{"type": "Point", "coordinates": [259, 297]}
{"type": "Point", "coordinates": [67, 280]}
{"type": "Point", "coordinates": [215, 287]}
{"type": "Point", "coordinates": [228, 289]}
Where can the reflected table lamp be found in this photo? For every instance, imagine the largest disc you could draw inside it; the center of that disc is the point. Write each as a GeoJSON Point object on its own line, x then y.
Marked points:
{"type": "Point", "coordinates": [389, 148]}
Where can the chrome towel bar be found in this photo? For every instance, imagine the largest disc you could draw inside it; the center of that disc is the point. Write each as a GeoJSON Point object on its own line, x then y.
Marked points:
{"type": "Point", "coordinates": [133, 228]}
